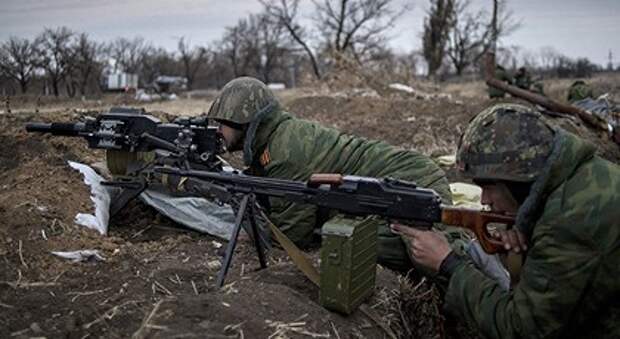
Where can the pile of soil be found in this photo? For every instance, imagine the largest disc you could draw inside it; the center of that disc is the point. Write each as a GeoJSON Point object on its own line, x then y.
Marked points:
{"type": "Point", "coordinates": [430, 127]}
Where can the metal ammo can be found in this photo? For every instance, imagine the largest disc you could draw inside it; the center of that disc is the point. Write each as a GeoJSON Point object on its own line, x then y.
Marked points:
{"type": "Point", "coordinates": [348, 262]}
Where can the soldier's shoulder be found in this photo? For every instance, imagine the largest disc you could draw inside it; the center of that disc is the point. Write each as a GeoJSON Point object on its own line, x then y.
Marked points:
{"type": "Point", "coordinates": [585, 203]}
{"type": "Point", "coordinates": [291, 141]}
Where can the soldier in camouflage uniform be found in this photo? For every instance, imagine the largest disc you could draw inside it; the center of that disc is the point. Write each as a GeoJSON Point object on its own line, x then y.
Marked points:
{"type": "Point", "coordinates": [566, 200]}
{"type": "Point", "coordinates": [523, 79]}
{"type": "Point", "coordinates": [276, 144]}
{"type": "Point", "coordinates": [501, 74]}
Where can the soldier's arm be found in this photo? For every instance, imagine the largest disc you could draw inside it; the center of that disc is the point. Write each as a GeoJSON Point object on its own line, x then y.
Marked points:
{"type": "Point", "coordinates": [553, 280]}
{"type": "Point", "coordinates": [297, 221]}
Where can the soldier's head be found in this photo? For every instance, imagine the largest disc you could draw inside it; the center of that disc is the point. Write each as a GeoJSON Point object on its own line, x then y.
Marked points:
{"type": "Point", "coordinates": [504, 150]}
{"type": "Point", "coordinates": [521, 71]}
{"type": "Point", "coordinates": [243, 102]}
{"type": "Point", "coordinates": [579, 90]}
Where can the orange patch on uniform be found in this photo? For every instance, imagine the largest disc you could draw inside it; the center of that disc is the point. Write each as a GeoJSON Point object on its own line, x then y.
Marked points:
{"type": "Point", "coordinates": [265, 158]}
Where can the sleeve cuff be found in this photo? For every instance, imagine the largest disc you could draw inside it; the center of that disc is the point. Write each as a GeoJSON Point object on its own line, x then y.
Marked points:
{"type": "Point", "coordinates": [450, 264]}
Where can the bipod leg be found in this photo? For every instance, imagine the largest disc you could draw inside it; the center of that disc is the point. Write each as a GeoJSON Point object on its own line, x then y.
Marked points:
{"type": "Point", "coordinates": [259, 247]}
{"type": "Point", "coordinates": [230, 249]}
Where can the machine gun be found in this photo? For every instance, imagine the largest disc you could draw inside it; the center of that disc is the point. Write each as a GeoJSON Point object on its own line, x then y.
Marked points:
{"type": "Point", "coordinates": [135, 142]}
{"type": "Point", "coordinates": [360, 196]}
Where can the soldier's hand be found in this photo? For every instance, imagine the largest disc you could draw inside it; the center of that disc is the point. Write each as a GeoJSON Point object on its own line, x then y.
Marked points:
{"type": "Point", "coordinates": [426, 247]}
{"type": "Point", "coordinates": [512, 239]}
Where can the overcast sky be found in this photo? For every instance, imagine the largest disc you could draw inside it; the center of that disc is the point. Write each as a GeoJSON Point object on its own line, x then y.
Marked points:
{"type": "Point", "coordinates": [577, 28]}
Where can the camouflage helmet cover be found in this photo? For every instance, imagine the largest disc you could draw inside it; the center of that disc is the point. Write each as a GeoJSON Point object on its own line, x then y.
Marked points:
{"type": "Point", "coordinates": [241, 100]}
{"type": "Point", "coordinates": [505, 142]}
{"type": "Point", "coordinates": [579, 90]}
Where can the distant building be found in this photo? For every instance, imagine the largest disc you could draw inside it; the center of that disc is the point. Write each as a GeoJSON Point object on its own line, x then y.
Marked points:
{"type": "Point", "coordinates": [169, 84]}
{"type": "Point", "coordinates": [121, 81]}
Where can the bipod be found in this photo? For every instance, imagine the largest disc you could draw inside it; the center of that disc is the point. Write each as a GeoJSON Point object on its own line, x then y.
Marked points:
{"type": "Point", "coordinates": [246, 211]}
{"type": "Point", "coordinates": [129, 190]}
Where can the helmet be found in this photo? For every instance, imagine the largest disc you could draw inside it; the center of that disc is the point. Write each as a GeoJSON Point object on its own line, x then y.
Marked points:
{"type": "Point", "coordinates": [505, 142]}
{"type": "Point", "coordinates": [579, 90]}
{"type": "Point", "coordinates": [241, 100]}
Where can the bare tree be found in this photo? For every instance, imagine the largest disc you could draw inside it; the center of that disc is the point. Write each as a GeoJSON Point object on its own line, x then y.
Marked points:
{"type": "Point", "coordinates": [18, 60]}
{"type": "Point", "coordinates": [56, 55]}
{"type": "Point", "coordinates": [233, 45]}
{"type": "Point", "coordinates": [156, 62]}
{"type": "Point", "coordinates": [219, 67]}
{"type": "Point", "coordinates": [502, 23]}
{"type": "Point", "coordinates": [548, 56]}
{"type": "Point", "coordinates": [128, 54]}
{"type": "Point", "coordinates": [255, 46]}
{"type": "Point", "coordinates": [192, 60]}
{"type": "Point", "coordinates": [355, 26]}
{"type": "Point", "coordinates": [435, 37]}
{"type": "Point", "coordinates": [469, 36]}
{"type": "Point", "coordinates": [285, 13]}
{"type": "Point", "coordinates": [494, 26]}
{"type": "Point", "coordinates": [271, 44]}
{"type": "Point", "coordinates": [88, 63]}
{"type": "Point", "coordinates": [529, 59]}
{"type": "Point", "coordinates": [6, 83]}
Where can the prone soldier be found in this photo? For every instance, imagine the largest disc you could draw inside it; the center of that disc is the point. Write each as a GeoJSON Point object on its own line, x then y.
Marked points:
{"type": "Point", "coordinates": [566, 200]}
{"type": "Point", "coordinates": [278, 145]}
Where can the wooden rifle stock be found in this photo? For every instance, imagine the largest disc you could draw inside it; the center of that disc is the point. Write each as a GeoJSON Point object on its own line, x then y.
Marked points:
{"type": "Point", "coordinates": [477, 222]}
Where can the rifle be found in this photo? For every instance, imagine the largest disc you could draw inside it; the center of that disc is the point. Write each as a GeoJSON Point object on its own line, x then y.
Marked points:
{"type": "Point", "coordinates": [552, 105]}
{"type": "Point", "coordinates": [188, 143]}
{"type": "Point", "coordinates": [359, 196]}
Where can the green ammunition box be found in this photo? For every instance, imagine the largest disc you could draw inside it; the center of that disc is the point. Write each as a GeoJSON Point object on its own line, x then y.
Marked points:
{"type": "Point", "coordinates": [348, 263]}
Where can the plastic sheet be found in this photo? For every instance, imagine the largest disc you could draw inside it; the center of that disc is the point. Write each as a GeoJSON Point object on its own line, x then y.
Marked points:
{"type": "Point", "coordinates": [193, 212]}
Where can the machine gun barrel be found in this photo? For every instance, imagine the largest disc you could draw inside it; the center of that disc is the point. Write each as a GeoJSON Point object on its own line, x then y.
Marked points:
{"type": "Point", "coordinates": [57, 128]}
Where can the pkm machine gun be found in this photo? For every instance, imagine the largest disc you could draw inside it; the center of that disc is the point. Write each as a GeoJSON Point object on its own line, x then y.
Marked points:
{"type": "Point", "coordinates": [392, 199]}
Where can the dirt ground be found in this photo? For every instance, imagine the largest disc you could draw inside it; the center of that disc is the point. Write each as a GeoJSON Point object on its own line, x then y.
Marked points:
{"type": "Point", "coordinates": [158, 280]}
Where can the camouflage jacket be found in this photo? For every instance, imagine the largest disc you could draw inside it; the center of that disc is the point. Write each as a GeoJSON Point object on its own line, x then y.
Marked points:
{"type": "Point", "coordinates": [523, 81]}
{"type": "Point", "coordinates": [290, 148]}
{"type": "Point", "coordinates": [570, 286]}
{"type": "Point", "coordinates": [503, 75]}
